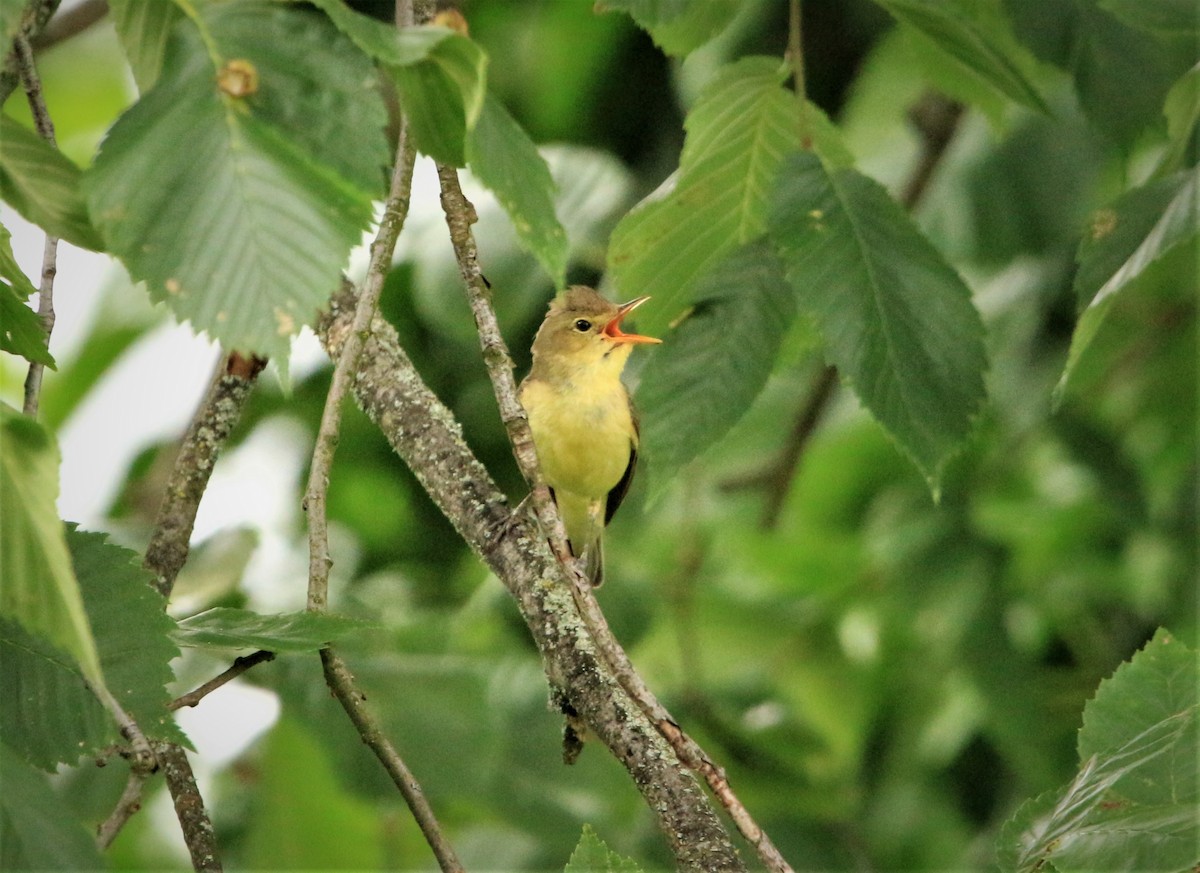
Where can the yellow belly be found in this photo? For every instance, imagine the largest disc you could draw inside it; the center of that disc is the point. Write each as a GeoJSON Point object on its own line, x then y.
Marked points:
{"type": "Point", "coordinates": [584, 436]}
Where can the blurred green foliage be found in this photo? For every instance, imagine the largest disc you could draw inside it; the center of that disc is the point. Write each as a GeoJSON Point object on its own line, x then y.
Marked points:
{"type": "Point", "coordinates": [885, 678]}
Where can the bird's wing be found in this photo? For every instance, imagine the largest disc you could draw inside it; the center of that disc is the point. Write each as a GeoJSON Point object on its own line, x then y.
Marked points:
{"type": "Point", "coordinates": [617, 494]}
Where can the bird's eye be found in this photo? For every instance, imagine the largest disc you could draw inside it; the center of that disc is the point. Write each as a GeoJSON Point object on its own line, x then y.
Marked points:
{"type": "Point", "coordinates": [583, 325]}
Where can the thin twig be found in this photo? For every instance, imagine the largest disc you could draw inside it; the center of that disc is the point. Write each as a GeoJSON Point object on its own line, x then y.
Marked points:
{"type": "Point", "coordinates": [394, 213]}
{"type": "Point", "coordinates": [27, 71]}
{"type": "Point", "coordinates": [936, 118]}
{"type": "Point", "coordinates": [210, 427]}
{"type": "Point", "coordinates": [337, 675]}
{"type": "Point", "coordinates": [460, 215]}
{"type": "Point", "coordinates": [129, 803]}
{"type": "Point", "coordinates": [239, 666]}
{"type": "Point", "coordinates": [33, 19]}
{"type": "Point", "coordinates": [193, 818]}
{"type": "Point", "coordinates": [341, 682]}
{"type": "Point", "coordinates": [796, 57]}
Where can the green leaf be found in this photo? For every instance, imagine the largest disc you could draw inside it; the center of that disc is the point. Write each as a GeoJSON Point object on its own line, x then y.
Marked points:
{"type": "Point", "coordinates": [676, 26]}
{"type": "Point", "coordinates": [53, 718]}
{"type": "Point", "coordinates": [1139, 231]}
{"type": "Point", "coordinates": [897, 320]}
{"type": "Point", "coordinates": [49, 716]}
{"type": "Point", "coordinates": [38, 830]}
{"type": "Point", "coordinates": [443, 95]}
{"type": "Point", "coordinates": [133, 633]}
{"type": "Point", "coordinates": [39, 590]}
{"type": "Point", "coordinates": [976, 35]}
{"type": "Point", "coordinates": [303, 817]}
{"type": "Point", "coordinates": [1132, 805]}
{"type": "Point", "coordinates": [1122, 74]}
{"type": "Point", "coordinates": [39, 182]}
{"type": "Point", "coordinates": [1165, 16]}
{"type": "Point", "coordinates": [1182, 109]}
{"type": "Point", "coordinates": [1157, 685]}
{"type": "Point", "coordinates": [21, 331]}
{"type": "Point", "coordinates": [737, 135]}
{"type": "Point", "coordinates": [144, 26]}
{"type": "Point", "coordinates": [246, 231]}
{"type": "Point", "coordinates": [502, 157]}
{"type": "Point", "coordinates": [226, 628]}
{"type": "Point", "coordinates": [439, 74]}
{"type": "Point", "coordinates": [592, 855]}
{"type": "Point", "coordinates": [708, 371]}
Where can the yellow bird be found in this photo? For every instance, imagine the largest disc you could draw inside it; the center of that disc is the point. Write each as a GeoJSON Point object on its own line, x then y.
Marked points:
{"type": "Point", "coordinates": [583, 422]}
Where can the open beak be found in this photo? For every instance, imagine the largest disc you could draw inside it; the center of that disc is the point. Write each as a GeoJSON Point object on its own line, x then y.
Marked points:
{"type": "Point", "coordinates": [613, 331]}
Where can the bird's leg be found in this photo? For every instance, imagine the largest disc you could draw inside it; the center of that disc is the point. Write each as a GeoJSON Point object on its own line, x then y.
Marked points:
{"type": "Point", "coordinates": [509, 524]}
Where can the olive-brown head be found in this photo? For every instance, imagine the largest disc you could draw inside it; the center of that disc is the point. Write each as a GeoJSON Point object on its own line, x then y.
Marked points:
{"type": "Point", "coordinates": [582, 331]}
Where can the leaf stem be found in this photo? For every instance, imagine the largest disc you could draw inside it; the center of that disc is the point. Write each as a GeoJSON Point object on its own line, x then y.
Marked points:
{"type": "Point", "coordinates": [795, 53]}
{"type": "Point", "coordinates": [206, 37]}
{"type": "Point", "coordinates": [32, 83]}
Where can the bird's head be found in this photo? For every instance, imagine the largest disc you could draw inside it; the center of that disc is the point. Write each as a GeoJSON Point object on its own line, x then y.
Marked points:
{"type": "Point", "coordinates": [583, 330]}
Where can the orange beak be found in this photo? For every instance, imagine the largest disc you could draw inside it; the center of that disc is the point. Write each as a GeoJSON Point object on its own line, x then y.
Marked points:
{"type": "Point", "coordinates": [613, 331]}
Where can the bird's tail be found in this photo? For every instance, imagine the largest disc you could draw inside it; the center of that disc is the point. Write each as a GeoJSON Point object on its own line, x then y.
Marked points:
{"type": "Point", "coordinates": [593, 560]}
{"type": "Point", "coordinates": [584, 521]}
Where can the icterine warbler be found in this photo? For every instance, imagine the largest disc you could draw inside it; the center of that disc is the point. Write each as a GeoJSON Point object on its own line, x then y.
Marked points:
{"type": "Point", "coordinates": [583, 422]}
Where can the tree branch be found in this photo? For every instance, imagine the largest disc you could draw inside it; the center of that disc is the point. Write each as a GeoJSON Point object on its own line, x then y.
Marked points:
{"type": "Point", "coordinates": [460, 215]}
{"type": "Point", "coordinates": [129, 803]}
{"type": "Point", "coordinates": [165, 556]}
{"type": "Point", "coordinates": [427, 436]}
{"type": "Point", "coordinates": [345, 689]}
{"type": "Point", "coordinates": [27, 72]}
{"type": "Point", "coordinates": [211, 425]}
{"type": "Point", "coordinates": [337, 675]}
{"type": "Point", "coordinates": [33, 20]}
{"type": "Point", "coordinates": [189, 808]}
{"type": "Point", "coordinates": [240, 665]}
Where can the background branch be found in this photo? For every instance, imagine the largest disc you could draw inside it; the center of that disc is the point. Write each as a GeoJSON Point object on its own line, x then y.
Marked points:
{"type": "Point", "coordinates": [189, 808]}
{"type": "Point", "coordinates": [240, 665]}
{"type": "Point", "coordinates": [32, 83]}
{"type": "Point", "coordinates": [33, 21]}
{"type": "Point", "coordinates": [337, 675]}
{"type": "Point", "coordinates": [211, 425]}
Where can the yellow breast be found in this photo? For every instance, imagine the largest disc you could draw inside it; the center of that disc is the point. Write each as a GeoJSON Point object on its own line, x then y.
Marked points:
{"type": "Point", "coordinates": [583, 431]}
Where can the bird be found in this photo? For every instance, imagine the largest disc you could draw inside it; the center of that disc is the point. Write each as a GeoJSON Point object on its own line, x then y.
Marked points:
{"type": "Point", "coordinates": [584, 425]}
